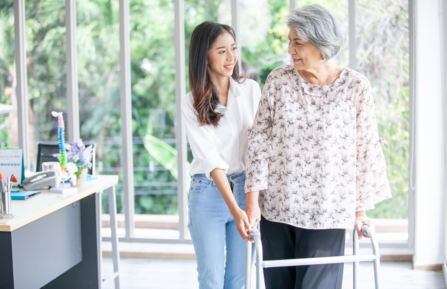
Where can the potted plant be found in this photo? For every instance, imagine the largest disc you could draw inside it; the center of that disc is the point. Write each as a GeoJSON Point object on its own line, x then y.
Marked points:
{"type": "Point", "coordinates": [81, 156]}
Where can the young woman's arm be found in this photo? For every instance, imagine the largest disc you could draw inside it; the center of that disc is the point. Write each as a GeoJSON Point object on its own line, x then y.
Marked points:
{"type": "Point", "coordinates": [214, 167]}
{"type": "Point", "coordinates": [240, 218]}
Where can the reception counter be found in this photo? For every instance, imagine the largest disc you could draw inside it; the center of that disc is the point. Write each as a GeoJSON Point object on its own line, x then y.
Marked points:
{"type": "Point", "coordinates": [55, 240]}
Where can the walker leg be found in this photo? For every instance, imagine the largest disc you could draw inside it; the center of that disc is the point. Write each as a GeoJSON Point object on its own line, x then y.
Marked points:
{"type": "Point", "coordinates": [376, 271]}
{"type": "Point", "coordinates": [259, 256]}
{"type": "Point", "coordinates": [258, 271]}
{"type": "Point", "coordinates": [248, 248]}
{"type": "Point", "coordinates": [113, 226]}
{"type": "Point", "coordinates": [355, 246]}
{"type": "Point", "coordinates": [375, 246]}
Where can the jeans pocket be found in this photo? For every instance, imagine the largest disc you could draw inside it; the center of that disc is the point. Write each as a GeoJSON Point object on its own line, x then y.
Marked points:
{"type": "Point", "coordinates": [199, 185]}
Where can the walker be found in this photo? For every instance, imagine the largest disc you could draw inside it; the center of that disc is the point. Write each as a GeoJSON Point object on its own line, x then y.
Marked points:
{"type": "Point", "coordinates": [368, 231]}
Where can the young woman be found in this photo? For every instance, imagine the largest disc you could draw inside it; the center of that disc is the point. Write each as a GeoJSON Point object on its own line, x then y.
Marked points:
{"type": "Point", "coordinates": [217, 113]}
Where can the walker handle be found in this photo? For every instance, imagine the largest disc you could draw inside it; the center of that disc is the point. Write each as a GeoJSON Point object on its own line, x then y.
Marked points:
{"type": "Point", "coordinates": [365, 230]}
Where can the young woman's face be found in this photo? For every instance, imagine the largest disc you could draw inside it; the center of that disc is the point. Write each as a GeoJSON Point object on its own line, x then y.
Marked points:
{"type": "Point", "coordinates": [222, 56]}
{"type": "Point", "coordinates": [303, 53]}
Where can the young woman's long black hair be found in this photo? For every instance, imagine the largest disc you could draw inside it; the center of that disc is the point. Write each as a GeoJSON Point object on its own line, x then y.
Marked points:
{"type": "Point", "coordinates": [203, 91]}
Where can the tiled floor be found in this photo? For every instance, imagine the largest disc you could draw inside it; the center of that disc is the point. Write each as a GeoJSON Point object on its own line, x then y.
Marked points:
{"type": "Point", "coordinates": [182, 274]}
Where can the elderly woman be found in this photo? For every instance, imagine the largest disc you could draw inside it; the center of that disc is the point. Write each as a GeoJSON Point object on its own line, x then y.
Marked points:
{"type": "Point", "coordinates": [315, 160]}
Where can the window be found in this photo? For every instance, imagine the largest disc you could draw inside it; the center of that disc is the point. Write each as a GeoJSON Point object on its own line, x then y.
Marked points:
{"type": "Point", "coordinates": [97, 37]}
{"type": "Point", "coordinates": [383, 57]}
{"type": "Point", "coordinates": [46, 58]}
{"type": "Point", "coordinates": [8, 99]}
{"type": "Point", "coordinates": [153, 118]}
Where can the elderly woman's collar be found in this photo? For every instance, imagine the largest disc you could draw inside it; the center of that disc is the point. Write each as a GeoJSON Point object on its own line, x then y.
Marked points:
{"type": "Point", "coordinates": [290, 67]}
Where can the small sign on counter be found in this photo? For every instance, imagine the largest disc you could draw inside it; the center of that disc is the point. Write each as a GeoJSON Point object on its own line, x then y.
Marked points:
{"type": "Point", "coordinates": [11, 163]}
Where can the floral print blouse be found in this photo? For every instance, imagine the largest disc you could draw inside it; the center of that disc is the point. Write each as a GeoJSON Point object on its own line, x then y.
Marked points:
{"type": "Point", "coordinates": [314, 152]}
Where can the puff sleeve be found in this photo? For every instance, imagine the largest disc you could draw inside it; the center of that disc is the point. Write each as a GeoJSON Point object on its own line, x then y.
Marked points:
{"type": "Point", "coordinates": [372, 184]}
{"type": "Point", "coordinates": [259, 141]}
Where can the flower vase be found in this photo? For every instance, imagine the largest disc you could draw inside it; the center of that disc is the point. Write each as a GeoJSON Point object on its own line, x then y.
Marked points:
{"type": "Point", "coordinates": [81, 175]}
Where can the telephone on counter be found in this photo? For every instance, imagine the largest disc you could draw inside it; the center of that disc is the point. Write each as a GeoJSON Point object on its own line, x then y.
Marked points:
{"type": "Point", "coordinates": [42, 180]}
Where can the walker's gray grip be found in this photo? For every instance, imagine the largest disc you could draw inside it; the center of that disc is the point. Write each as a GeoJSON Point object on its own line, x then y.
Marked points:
{"type": "Point", "coordinates": [252, 234]}
{"type": "Point", "coordinates": [365, 229]}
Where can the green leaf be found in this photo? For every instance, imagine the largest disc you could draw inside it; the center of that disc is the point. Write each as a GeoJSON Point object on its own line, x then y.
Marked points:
{"type": "Point", "coordinates": [163, 153]}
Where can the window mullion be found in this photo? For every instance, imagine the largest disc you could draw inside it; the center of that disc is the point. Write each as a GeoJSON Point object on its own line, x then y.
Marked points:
{"type": "Point", "coordinates": [180, 133]}
{"type": "Point", "coordinates": [126, 119]}
{"type": "Point", "coordinates": [21, 79]}
{"type": "Point", "coordinates": [72, 72]}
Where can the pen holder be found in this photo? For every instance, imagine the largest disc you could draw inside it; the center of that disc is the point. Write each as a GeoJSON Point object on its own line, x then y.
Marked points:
{"type": "Point", "coordinates": [5, 208]}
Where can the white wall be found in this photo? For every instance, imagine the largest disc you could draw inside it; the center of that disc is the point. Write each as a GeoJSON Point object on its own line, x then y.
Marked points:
{"type": "Point", "coordinates": [430, 137]}
{"type": "Point", "coordinates": [444, 78]}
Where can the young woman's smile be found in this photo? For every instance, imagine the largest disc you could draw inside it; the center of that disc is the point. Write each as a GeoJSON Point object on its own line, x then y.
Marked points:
{"type": "Point", "coordinates": [229, 67]}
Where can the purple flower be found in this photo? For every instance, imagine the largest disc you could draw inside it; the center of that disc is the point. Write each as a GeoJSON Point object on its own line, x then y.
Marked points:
{"type": "Point", "coordinates": [79, 154]}
{"type": "Point", "coordinates": [86, 155]}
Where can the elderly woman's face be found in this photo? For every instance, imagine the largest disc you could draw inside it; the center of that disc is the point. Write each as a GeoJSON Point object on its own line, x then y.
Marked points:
{"type": "Point", "coordinates": [304, 54]}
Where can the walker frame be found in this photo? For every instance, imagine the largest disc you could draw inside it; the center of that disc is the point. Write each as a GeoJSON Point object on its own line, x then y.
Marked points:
{"type": "Point", "coordinates": [355, 258]}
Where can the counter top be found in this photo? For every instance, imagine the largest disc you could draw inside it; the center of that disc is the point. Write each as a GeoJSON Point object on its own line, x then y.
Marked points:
{"type": "Point", "coordinates": [46, 203]}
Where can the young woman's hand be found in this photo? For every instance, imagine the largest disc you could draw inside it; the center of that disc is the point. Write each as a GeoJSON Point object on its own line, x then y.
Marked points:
{"type": "Point", "coordinates": [252, 208]}
{"type": "Point", "coordinates": [240, 217]}
{"type": "Point", "coordinates": [242, 225]}
{"type": "Point", "coordinates": [361, 219]}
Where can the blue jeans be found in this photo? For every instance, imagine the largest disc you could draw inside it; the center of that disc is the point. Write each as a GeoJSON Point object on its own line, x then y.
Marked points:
{"type": "Point", "coordinates": [212, 228]}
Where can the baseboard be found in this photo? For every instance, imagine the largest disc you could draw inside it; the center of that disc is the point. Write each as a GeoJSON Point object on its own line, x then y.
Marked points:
{"type": "Point", "coordinates": [396, 258]}
{"type": "Point", "coordinates": [444, 268]}
{"type": "Point", "coordinates": [434, 267]}
{"type": "Point", "coordinates": [444, 272]}
{"type": "Point", "coordinates": [151, 255]}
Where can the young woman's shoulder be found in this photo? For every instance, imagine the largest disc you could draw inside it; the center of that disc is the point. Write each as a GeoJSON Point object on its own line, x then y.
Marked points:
{"type": "Point", "coordinates": [249, 84]}
{"type": "Point", "coordinates": [250, 88]}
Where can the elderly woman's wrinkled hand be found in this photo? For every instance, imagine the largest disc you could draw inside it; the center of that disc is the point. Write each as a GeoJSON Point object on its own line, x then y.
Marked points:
{"type": "Point", "coordinates": [253, 214]}
{"type": "Point", "coordinates": [252, 209]}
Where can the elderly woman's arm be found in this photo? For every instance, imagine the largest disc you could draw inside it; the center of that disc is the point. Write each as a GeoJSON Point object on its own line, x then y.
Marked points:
{"type": "Point", "coordinates": [259, 149]}
{"type": "Point", "coordinates": [371, 178]}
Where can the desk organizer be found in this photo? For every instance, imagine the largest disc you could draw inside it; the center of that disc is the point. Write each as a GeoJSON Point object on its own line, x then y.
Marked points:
{"type": "Point", "coordinates": [5, 197]}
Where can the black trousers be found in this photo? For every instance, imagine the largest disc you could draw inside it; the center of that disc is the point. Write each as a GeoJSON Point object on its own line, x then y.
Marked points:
{"type": "Point", "coordinates": [281, 241]}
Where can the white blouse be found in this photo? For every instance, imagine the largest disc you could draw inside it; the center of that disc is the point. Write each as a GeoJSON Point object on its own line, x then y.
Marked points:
{"type": "Point", "coordinates": [314, 151]}
{"type": "Point", "coordinates": [224, 146]}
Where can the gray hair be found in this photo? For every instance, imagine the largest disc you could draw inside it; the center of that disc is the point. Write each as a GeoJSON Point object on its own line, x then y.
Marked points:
{"type": "Point", "coordinates": [317, 25]}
